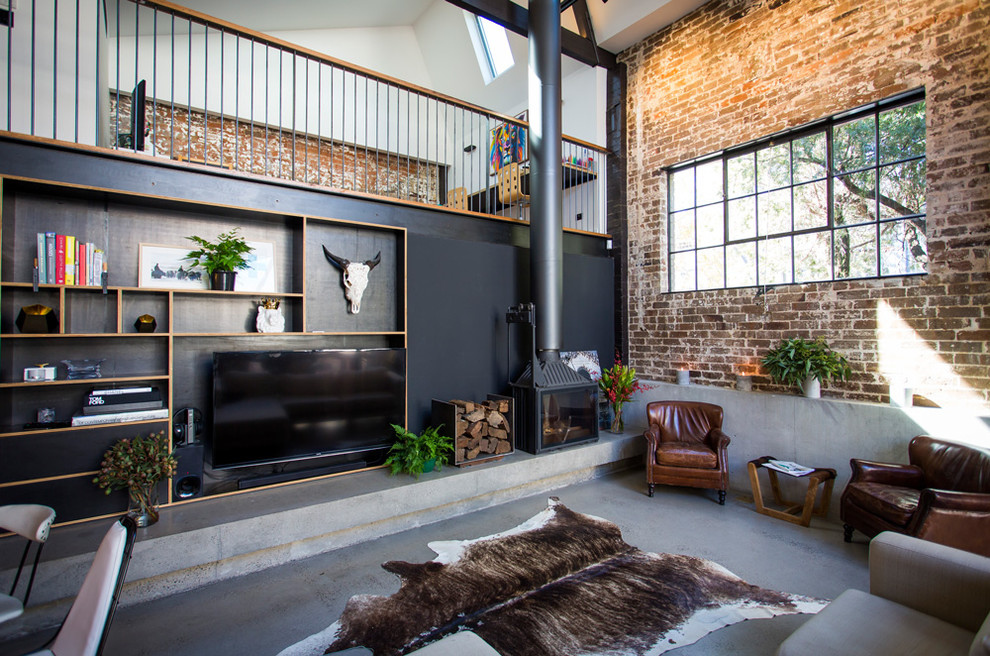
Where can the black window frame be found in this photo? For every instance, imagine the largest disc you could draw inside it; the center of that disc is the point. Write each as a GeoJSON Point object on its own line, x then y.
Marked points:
{"type": "Point", "coordinates": [822, 126]}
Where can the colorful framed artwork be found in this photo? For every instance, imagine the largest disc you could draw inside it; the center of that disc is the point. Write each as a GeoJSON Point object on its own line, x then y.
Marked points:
{"type": "Point", "coordinates": [508, 144]}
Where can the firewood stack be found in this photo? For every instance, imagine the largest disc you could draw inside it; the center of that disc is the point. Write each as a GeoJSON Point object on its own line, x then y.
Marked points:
{"type": "Point", "coordinates": [482, 429]}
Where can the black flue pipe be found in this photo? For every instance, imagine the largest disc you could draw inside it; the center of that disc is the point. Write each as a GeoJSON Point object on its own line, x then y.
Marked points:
{"type": "Point", "coordinates": [545, 224]}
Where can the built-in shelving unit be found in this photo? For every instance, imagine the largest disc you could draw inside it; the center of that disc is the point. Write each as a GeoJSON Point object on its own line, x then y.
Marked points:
{"type": "Point", "coordinates": [55, 466]}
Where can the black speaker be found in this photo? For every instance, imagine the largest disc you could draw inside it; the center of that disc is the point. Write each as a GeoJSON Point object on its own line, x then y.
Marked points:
{"type": "Point", "coordinates": [188, 480]}
{"type": "Point", "coordinates": [187, 427]}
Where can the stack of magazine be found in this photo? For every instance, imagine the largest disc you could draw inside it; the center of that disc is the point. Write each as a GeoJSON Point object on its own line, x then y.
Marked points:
{"type": "Point", "coordinates": [787, 467]}
{"type": "Point", "coordinates": [120, 404]}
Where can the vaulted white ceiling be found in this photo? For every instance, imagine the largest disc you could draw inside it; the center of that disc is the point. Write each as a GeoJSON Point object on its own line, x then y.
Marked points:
{"type": "Point", "coordinates": [618, 24]}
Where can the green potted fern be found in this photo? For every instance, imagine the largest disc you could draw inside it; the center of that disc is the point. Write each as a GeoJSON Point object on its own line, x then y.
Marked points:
{"type": "Point", "coordinates": [805, 363]}
{"type": "Point", "coordinates": [415, 454]}
{"type": "Point", "coordinates": [221, 258]}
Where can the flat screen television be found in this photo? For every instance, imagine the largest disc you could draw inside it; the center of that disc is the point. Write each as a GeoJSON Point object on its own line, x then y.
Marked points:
{"type": "Point", "coordinates": [283, 406]}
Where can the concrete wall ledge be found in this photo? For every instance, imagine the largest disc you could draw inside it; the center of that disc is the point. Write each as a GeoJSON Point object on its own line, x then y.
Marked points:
{"type": "Point", "coordinates": [200, 543]}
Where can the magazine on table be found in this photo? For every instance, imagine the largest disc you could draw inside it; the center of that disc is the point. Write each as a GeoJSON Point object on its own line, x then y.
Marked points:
{"type": "Point", "coordinates": [787, 467]}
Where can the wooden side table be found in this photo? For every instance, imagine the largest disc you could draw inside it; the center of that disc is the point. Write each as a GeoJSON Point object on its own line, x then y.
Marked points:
{"type": "Point", "coordinates": [793, 512]}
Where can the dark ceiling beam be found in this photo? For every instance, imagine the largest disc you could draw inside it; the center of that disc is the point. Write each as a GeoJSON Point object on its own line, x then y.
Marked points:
{"type": "Point", "coordinates": [516, 19]}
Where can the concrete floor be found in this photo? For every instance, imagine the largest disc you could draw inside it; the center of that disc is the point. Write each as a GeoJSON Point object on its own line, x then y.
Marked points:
{"type": "Point", "coordinates": [262, 613]}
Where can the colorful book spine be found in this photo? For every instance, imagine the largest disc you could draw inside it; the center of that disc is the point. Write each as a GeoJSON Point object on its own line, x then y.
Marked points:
{"type": "Point", "coordinates": [42, 259]}
{"type": "Point", "coordinates": [50, 257]}
{"type": "Point", "coordinates": [60, 259]}
{"type": "Point", "coordinates": [81, 270]}
{"type": "Point", "coordinates": [70, 260]}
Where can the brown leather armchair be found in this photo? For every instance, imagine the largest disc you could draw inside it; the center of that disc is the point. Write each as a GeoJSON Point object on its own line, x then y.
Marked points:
{"type": "Point", "coordinates": [686, 446]}
{"type": "Point", "coordinates": [942, 496]}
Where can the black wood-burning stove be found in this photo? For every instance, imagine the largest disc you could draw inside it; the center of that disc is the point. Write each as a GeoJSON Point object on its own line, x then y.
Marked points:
{"type": "Point", "coordinates": [555, 405]}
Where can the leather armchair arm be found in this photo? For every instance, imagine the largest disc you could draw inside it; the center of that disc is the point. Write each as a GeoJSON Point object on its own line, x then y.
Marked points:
{"type": "Point", "coordinates": [932, 500]}
{"type": "Point", "coordinates": [652, 435]}
{"type": "Point", "coordinates": [886, 472]}
{"type": "Point", "coordinates": [718, 441]}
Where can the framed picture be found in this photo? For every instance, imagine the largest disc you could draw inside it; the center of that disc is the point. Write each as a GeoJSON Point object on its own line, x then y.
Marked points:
{"type": "Point", "coordinates": [508, 144]}
{"type": "Point", "coordinates": [165, 267]}
{"type": "Point", "coordinates": [583, 362]}
{"type": "Point", "coordinates": [259, 276]}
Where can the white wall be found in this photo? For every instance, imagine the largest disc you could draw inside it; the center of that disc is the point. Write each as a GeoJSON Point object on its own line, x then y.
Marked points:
{"type": "Point", "coordinates": [61, 110]}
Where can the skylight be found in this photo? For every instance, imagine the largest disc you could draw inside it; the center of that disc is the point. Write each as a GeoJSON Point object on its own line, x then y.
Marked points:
{"type": "Point", "coordinates": [498, 55]}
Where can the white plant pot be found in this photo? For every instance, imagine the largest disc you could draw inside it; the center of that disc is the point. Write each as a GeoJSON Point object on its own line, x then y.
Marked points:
{"type": "Point", "coordinates": [812, 387]}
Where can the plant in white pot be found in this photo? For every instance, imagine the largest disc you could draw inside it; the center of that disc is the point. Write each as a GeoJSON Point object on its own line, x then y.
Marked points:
{"type": "Point", "coordinates": [805, 363]}
{"type": "Point", "coordinates": [221, 258]}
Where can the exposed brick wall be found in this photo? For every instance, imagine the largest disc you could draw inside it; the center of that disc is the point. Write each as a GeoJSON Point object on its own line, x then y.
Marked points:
{"type": "Point", "coordinates": [250, 147]}
{"type": "Point", "coordinates": [737, 70]}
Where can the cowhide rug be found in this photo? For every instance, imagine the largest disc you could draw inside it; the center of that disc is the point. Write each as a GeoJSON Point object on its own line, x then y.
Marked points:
{"type": "Point", "coordinates": [561, 583]}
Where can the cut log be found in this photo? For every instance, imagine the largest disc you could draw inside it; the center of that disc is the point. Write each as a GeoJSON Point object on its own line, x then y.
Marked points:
{"type": "Point", "coordinates": [472, 454]}
{"type": "Point", "coordinates": [498, 433]}
{"type": "Point", "coordinates": [475, 429]}
{"type": "Point", "coordinates": [495, 418]}
{"type": "Point", "coordinates": [503, 446]}
{"type": "Point", "coordinates": [477, 415]}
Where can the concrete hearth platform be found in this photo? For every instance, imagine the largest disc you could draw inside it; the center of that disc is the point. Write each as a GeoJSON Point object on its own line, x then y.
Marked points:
{"type": "Point", "coordinates": [211, 540]}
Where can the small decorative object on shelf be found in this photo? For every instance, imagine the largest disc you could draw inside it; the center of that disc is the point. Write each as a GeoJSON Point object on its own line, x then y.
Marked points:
{"type": "Point", "coordinates": [805, 363]}
{"type": "Point", "coordinates": [221, 258]}
{"type": "Point", "coordinates": [683, 376]}
{"type": "Point", "coordinates": [138, 465]}
{"type": "Point", "coordinates": [618, 384]}
{"type": "Point", "coordinates": [744, 383]}
{"type": "Point", "coordinates": [79, 369]}
{"type": "Point", "coordinates": [270, 319]}
{"type": "Point", "coordinates": [46, 415]}
{"type": "Point", "coordinates": [355, 276]}
{"type": "Point", "coordinates": [39, 372]}
{"type": "Point", "coordinates": [145, 324]}
{"type": "Point", "coordinates": [36, 319]}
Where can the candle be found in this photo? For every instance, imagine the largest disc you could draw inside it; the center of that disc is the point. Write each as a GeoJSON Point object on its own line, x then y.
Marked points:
{"type": "Point", "coordinates": [683, 376]}
{"type": "Point", "coordinates": [744, 383]}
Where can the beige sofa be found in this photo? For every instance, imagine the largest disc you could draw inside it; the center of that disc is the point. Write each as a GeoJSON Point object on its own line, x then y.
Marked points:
{"type": "Point", "coordinates": [925, 598]}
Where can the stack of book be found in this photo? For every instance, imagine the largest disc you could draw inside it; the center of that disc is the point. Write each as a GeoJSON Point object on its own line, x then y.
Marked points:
{"type": "Point", "coordinates": [65, 260]}
{"type": "Point", "coordinates": [120, 404]}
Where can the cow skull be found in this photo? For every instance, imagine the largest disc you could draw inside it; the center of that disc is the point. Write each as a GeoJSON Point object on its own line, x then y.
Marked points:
{"type": "Point", "coordinates": [355, 276]}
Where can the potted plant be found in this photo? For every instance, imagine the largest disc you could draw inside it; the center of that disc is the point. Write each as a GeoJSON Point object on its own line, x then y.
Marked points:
{"type": "Point", "coordinates": [138, 465]}
{"type": "Point", "coordinates": [220, 258]}
{"type": "Point", "coordinates": [414, 454]}
{"type": "Point", "coordinates": [618, 384]}
{"type": "Point", "coordinates": [805, 363]}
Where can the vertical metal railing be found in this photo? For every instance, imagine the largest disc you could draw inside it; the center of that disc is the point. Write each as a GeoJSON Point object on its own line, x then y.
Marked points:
{"type": "Point", "coordinates": [219, 95]}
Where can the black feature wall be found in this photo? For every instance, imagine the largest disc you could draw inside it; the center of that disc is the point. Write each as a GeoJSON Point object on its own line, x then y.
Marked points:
{"type": "Point", "coordinates": [459, 344]}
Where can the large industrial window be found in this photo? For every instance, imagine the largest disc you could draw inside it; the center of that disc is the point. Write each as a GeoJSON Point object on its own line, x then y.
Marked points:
{"type": "Point", "coordinates": [841, 198]}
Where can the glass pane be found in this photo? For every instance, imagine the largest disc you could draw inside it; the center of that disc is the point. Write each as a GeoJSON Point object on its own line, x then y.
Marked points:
{"type": "Point", "coordinates": [741, 172]}
{"type": "Point", "coordinates": [711, 225]}
{"type": "Point", "coordinates": [496, 45]}
{"type": "Point", "coordinates": [773, 166]}
{"type": "Point", "coordinates": [813, 256]}
{"type": "Point", "coordinates": [902, 189]}
{"type": "Point", "coordinates": [711, 265]}
{"type": "Point", "coordinates": [853, 198]}
{"type": "Point", "coordinates": [775, 212]}
{"type": "Point", "coordinates": [902, 132]}
{"type": "Point", "coordinates": [709, 182]}
{"type": "Point", "coordinates": [811, 205]}
{"type": "Point", "coordinates": [775, 261]}
{"type": "Point", "coordinates": [682, 189]}
{"type": "Point", "coordinates": [856, 252]}
{"type": "Point", "coordinates": [740, 265]}
{"type": "Point", "coordinates": [809, 158]}
{"type": "Point", "coordinates": [682, 230]}
{"type": "Point", "coordinates": [682, 272]}
{"type": "Point", "coordinates": [903, 247]}
{"type": "Point", "coordinates": [854, 144]}
{"type": "Point", "coordinates": [742, 218]}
